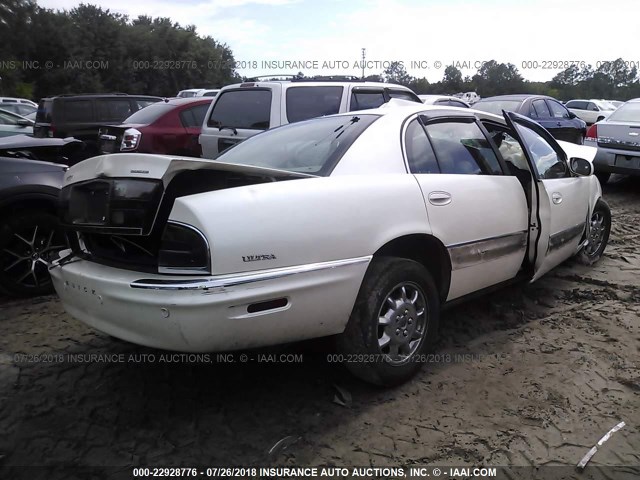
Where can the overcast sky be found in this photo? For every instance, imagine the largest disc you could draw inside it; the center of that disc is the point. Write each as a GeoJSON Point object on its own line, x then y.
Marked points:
{"type": "Point", "coordinates": [426, 35]}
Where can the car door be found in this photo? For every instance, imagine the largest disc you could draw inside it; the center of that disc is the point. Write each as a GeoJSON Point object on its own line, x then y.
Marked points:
{"type": "Point", "coordinates": [561, 205]}
{"type": "Point", "coordinates": [478, 212]}
{"type": "Point", "coordinates": [567, 128]}
{"type": "Point", "coordinates": [191, 119]}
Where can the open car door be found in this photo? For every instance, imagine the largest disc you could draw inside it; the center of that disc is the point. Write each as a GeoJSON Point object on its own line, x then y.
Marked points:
{"type": "Point", "coordinates": [560, 199]}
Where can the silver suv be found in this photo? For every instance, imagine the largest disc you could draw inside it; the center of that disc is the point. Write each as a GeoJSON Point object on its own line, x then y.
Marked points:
{"type": "Point", "coordinates": [245, 109]}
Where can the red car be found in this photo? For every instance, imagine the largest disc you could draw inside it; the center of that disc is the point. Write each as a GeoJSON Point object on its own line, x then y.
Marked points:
{"type": "Point", "coordinates": [171, 127]}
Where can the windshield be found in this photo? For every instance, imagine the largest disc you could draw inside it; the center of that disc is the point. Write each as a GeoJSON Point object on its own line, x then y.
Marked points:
{"type": "Point", "coordinates": [627, 112]}
{"type": "Point", "coordinates": [150, 114]}
{"type": "Point", "coordinates": [312, 146]}
{"type": "Point", "coordinates": [497, 106]}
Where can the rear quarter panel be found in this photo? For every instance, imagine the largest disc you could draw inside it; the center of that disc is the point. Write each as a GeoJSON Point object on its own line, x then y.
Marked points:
{"type": "Point", "coordinates": [304, 221]}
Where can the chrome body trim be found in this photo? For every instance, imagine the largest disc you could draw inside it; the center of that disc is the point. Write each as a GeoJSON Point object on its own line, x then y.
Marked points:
{"type": "Point", "coordinates": [560, 239]}
{"type": "Point", "coordinates": [479, 251]}
{"type": "Point", "coordinates": [230, 280]}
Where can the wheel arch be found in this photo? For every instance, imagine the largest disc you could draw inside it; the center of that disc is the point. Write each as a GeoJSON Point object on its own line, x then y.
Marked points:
{"type": "Point", "coordinates": [39, 201]}
{"type": "Point", "coordinates": [427, 250]}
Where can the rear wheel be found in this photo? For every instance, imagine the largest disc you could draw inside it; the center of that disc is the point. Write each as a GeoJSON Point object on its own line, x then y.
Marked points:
{"type": "Point", "coordinates": [26, 241]}
{"type": "Point", "coordinates": [393, 323]}
{"type": "Point", "coordinates": [599, 230]}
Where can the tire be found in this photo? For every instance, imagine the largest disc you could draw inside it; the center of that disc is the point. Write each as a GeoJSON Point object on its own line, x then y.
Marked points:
{"type": "Point", "coordinates": [600, 228]}
{"type": "Point", "coordinates": [399, 357]}
{"type": "Point", "coordinates": [603, 177]}
{"type": "Point", "coordinates": [25, 241]}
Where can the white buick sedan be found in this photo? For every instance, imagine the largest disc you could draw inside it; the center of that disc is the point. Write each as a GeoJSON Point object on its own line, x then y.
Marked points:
{"type": "Point", "coordinates": [360, 225]}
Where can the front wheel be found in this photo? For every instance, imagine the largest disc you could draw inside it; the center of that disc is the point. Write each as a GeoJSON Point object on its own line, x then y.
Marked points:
{"type": "Point", "coordinates": [599, 230]}
{"type": "Point", "coordinates": [393, 323]}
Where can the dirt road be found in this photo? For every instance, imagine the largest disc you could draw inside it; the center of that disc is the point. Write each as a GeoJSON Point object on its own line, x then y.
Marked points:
{"type": "Point", "coordinates": [531, 375]}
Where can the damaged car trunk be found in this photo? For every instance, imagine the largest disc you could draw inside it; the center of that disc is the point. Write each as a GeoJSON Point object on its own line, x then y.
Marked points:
{"type": "Point", "coordinates": [117, 211]}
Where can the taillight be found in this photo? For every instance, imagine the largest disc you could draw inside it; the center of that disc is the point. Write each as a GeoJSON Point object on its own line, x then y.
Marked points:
{"type": "Point", "coordinates": [130, 139]}
{"type": "Point", "coordinates": [592, 133]}
{"type": "Point", "coordinates": [183, 249]}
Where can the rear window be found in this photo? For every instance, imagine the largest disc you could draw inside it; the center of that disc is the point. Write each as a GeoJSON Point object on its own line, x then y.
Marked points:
{"type": "Point", "coordinates": [304, 103]}
{"type": "Point", "coordinates": [627, 112]}
{"type": "Point", "coordinates": [497, 106]}
{"type": "Point", "coordinates": [313, 146]}
{"type": "Point", "coordinates": [149, 114]}
{"type": "Point", "coordinates": [44, 111]}
{"type": "Point", "coordinates": [78, 111]}
{"type": "Point", "coordinates": [250, 109]}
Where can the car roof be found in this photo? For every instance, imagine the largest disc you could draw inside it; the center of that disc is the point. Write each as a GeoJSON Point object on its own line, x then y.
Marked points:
{"type": "Point", "coordinates": [519, 97]}
{"type": "Point", "coordinates": [99, 95]}
{"type": "Point", "coordinates": [403, 109]}
{"type": "Point", "coordinates": [318, 83]}
{"type": "Point", "coordinates": [179, 101]}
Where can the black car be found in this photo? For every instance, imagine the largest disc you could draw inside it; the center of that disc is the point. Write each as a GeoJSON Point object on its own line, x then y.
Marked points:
{"type": "Point", "coordinates": [81, 116]}
{"type": "Point", "coordinates": [29, 228]}
{"type": "Point", "coordinates": [547, 111]}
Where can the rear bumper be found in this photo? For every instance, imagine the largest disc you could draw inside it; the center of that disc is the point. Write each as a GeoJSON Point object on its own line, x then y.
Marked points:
{"type": "Point", "coordinates": [614, 160]}
{"type": "Point", "coordinates": [211, 314]}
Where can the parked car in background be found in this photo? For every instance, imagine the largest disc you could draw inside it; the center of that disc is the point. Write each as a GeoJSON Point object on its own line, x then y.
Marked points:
{"type": "Point", "coordinates": [29, 224]}
{"type": "Point", "coordinates": [359, 225]}
{"type": "Point", "coordinates": [21, 106]}
{"type": "Point", "coordinates": [547, 111]}
{"type": "Point", "coordinates": [170, 127]}
{"type": "Point", "coordinates": [617, 138]}
{"type": "Point", "coordinates": [591, 111]}
{"type": "Point", "coordinates": [67, 151]}
{"type": "Point", "coordinates": [443, 100]}
{"type": "Point", "coordinates": [14, 124]}
{"type": "Point", "coordinates": [470, 97]}
{"type": "Point", "coordinates": [616, 103]}
{"type": "Point", "coordinates": [198, 92]}
{"type": "Point", "coordinates": [22, 109]}
{"type": "Point", "coordinates": [81, 116]}
{"type": "Point", "coordinates": [245, 109]}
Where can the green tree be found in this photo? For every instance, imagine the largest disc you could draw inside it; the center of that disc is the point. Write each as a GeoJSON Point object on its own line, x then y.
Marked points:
{"type": "Point", "coordinates": [397, 73]}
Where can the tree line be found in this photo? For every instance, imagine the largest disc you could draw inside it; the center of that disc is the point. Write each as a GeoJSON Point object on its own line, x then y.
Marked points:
{"type": "Point", "coordinates": [90, 49]}
{"type": "Point", "coordinates": [616, 80]}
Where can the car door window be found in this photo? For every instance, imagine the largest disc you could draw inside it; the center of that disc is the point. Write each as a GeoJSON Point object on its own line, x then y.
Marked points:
{"type": "Point", "coordinates": [113, 109]}
{"type": "Point", "coordinates": [548, 163]}
{"type": "Point", "coordinates": [420, 156]}
{"type": "Point", "coordinates": [455, 103]}
{"type": "Point", "coordinates": [304, 103]}
{"type": "Point", "coordinates": [539, 109]}
{"type": "Point", "coordinates": [141, 102]}
{"type": "Point", "coordinates": [592, 107]}
{"type": "Point", "coordinates": [193, 117]}
{"type": "Point", "coordinates": [557, 110]}
{"type": "Point", "coordinates": [78, 111]}
{"type": "Point", "coordinates": [366, 100]}
{"type": "Point", "coordinates": [401, 94]}
{"type": "Point", "coordinates": [462, 148]}
{"type": "Point", "coordinates": [243, 108]}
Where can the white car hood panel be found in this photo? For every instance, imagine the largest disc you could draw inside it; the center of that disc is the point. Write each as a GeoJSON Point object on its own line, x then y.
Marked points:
{"type": "Point", "coordinates": [579, 151]}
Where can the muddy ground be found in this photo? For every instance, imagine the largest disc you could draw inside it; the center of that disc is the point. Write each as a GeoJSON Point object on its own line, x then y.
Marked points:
{"type": "Point", "coordinates": [530, 375]}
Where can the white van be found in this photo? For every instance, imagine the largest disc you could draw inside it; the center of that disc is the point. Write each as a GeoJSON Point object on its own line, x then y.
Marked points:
{"type": "Point", "coordinates": [245, 109]}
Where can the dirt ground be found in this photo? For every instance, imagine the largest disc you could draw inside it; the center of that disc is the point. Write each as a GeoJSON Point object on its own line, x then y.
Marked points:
{"type": "Point", "coordinates": [531, 375]}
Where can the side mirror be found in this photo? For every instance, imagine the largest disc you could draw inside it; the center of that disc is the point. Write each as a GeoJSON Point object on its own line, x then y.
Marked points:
{"type": "Point", "coordinates": [580, 166]}
{"type": "Point", "coordinates": [572, 115]}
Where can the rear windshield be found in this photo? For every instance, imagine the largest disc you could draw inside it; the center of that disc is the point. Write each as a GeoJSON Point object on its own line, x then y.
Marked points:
{"type": "Point", "coordinates": [250, 109]}
{"type": "Point", "coordinates": [313, 146]}
{"type": "Point", "coordinates": [628, 112]}
{"type": "Point", "coordinates": [149, 114]}
{"type": "Point", "coordinates": [304, 103]}
{"type": "Point", "coordinates": [45, 108]}
{"type": "Point", "coordinates": [497, 106]}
